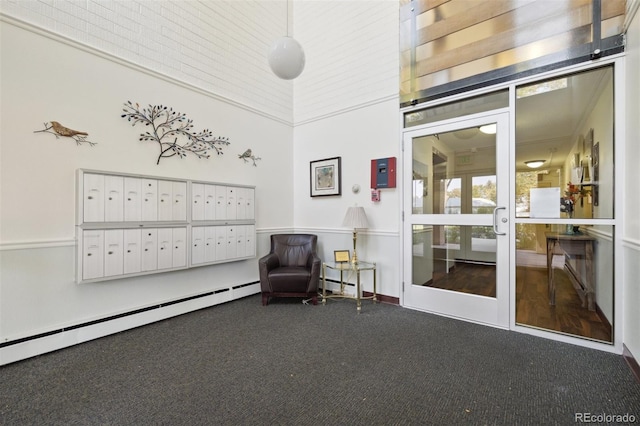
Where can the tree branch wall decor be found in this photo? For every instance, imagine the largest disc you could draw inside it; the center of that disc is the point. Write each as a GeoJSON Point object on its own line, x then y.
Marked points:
{"type": "Point", "coordinates": [167, 126]}
{"type": "Point", "coordinates": [58, 130]}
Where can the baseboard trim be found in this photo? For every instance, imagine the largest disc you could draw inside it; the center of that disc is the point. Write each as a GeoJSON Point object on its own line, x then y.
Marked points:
{"type": "Point", "coordinates": [49, 341]}
{"type": "Point", "coordinates": [631, 362]}
{"type": "Point", "coordinates": [383, 298]}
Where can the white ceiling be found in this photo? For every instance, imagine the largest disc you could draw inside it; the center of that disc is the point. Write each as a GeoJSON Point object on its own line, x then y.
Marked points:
{"type": "Point", "coordinates": [552, 121]}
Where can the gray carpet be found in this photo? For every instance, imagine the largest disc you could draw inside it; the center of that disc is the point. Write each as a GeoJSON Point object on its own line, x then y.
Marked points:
{"type": "Point", "coordinates": [292, 364]}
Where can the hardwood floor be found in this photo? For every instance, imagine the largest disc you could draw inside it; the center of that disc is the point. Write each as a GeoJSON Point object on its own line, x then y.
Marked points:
{"type": "Point", "coordinates": [466, 278]}
{"type": "Point", "coordinates": [567, 316]}
{"type": "Point", "coordinates": [532, 300]}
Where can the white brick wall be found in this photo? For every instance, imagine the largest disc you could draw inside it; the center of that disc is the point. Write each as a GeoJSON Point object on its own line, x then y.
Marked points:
{"type": "Point", "coordinates": [219, 46]}
{"type": "Point", "coordinates": [352, 55]}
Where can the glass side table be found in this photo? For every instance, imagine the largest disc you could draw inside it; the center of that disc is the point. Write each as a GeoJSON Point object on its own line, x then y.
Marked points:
{"type": "Point", "coordinates": [350, 268]}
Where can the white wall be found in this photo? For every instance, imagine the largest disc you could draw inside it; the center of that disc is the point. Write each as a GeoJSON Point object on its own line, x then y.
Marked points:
{"type": "Point", "coordinates": [85, 90]}
{"type": "Point", "coordinates": [87, 58]}
{"type": "Point", "coordinates": [352, 55]}
{"type": "Point", "coordinates": [357, 137]}
{"type": "Point", "coordinates": [631, 240]}
{"type": "Point", "coordinates": [346, 105]}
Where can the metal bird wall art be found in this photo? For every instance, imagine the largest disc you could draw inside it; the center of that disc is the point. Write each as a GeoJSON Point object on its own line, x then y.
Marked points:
{"type": "Point", "coordinates": [168, 128]}
{"type": "Point", "coordinates": [58, 130]}
{"type": "Point", "coordinates": [248, 155]}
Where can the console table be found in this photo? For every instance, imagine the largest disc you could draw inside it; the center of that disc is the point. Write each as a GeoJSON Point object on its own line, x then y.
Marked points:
{"type": "Point", "coordinates": [350, 268]}
{"type": "Point", "coordinates": [573, 245]}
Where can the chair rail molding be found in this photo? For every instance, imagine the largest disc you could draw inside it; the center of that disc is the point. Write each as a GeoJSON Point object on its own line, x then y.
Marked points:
{"type": "Point", "coordinates": [26, 245]}
{"type": "Point", "coordinates": [631, 243]}
{"type": "Point", "coordinates": [374, 232]}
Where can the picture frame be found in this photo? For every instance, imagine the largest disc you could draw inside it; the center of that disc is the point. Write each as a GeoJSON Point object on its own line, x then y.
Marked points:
{"type": "Point", "coordinates": [325, 177]}
{"type": "Point", "coordinates": [340, 256]}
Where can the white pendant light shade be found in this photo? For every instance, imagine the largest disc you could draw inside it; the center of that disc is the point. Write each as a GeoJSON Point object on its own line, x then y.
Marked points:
{"type": "Point", "coordinates": [286, 58]}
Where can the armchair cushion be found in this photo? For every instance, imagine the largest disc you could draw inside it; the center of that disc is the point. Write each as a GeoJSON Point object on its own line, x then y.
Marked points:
{"type": "Point", "coordinates": [292, 268]}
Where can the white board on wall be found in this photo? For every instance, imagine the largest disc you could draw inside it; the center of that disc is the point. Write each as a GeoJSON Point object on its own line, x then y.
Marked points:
{"type": "Point", "coordinates": [545, 203]}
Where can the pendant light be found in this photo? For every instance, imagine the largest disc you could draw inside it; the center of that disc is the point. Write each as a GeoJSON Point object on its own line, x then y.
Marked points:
{"type": "Point", "coordinates": [286, 57]}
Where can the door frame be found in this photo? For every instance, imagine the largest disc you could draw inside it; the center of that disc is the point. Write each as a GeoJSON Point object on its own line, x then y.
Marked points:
{"type": "Point", "coordinates": [618, 61]}
{"type": "Point", "coordinates": [469, 307]}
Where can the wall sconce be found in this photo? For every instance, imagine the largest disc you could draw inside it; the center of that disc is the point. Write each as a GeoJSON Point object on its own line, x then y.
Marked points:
{"type": "Point", "coordinates": [534, 164]}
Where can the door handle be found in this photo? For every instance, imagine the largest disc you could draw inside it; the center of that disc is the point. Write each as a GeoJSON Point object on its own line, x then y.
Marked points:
{"type": "Point", "coordinates": [495, 221]}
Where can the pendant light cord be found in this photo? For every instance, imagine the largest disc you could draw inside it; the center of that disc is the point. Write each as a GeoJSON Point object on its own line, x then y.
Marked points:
{"type": "Point", "coordinates": [287, 18]}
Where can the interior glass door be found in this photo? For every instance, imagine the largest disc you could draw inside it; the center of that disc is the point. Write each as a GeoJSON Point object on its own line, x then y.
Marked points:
{"type": "Point", "coordinates": [456, 221]}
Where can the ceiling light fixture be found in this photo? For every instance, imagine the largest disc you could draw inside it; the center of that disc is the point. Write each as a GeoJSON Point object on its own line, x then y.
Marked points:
{"type": "Point", "coordinates": [286, 57]}
{"type": "Point", "coordinates": [489, 129]}
{"type": "Point", "coordinates": [534, 164]}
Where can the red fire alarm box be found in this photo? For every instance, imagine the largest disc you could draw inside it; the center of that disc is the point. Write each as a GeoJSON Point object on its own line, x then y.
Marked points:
{"type": "Point", "coordinates": [383, 173]}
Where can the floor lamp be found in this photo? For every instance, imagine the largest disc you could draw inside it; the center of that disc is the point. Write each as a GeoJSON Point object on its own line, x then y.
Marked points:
{"type": "Point", "coordinates": [355, 218]}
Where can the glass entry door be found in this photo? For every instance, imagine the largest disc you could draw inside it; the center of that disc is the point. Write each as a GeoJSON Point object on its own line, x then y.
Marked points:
{"type": "Point", "coordinates": [456, 222]}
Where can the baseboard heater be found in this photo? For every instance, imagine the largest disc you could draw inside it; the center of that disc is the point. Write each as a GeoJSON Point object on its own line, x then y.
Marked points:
{"type": "Point", "coordinates": [122, 315]}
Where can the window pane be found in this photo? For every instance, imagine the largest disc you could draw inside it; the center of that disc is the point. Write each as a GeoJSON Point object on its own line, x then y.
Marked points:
{"type": "Point", "coordinates": [445, 176]}
{"type": "Point", "coordinates": [570, 134]}
{"type": "Point", "coordinates": [450, 258]}
{"type": "Point", "coordinates": [483, 239]}
{"type": "Point", "coordinates": [450, 46]}
{"type": "Point", "coordinates": [484, 194]}
{"type": "Point", "coordinates": [564, 283]}
{"type": "Point", "coordinates": [455, 109]}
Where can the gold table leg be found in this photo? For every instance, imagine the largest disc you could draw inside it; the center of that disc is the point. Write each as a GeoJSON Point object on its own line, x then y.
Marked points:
{"type": "Point", "coordinates": [375, 297]}
{"type": "Point", "coordinates": [358, 300]}
{"type": "Point", "coordinates": [324, 284]}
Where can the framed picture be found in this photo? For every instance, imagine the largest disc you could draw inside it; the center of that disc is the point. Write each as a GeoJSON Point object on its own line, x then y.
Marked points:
{"type": "Point", "coordinates": [341, 256]}
{"type": "Point", "coordinates": [326, 177]}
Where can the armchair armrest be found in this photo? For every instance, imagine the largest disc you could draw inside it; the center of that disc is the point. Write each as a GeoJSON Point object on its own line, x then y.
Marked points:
{"type": "Point", "coordinates": [314, 263]}
{"type": "Point", "coordinates": [266, 264]}
{"type": "Point", "coordinates": [270, 261]}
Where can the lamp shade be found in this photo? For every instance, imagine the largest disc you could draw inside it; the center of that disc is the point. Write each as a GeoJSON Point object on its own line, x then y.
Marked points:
{"type": "Point", "coordinates": [286, 58]}
{"type": "Point", "coordinates": [356, 218]}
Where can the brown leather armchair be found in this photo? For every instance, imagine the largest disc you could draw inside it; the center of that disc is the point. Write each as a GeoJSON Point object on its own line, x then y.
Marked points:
{"type": "Point", "coordinates": [291, 269]}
